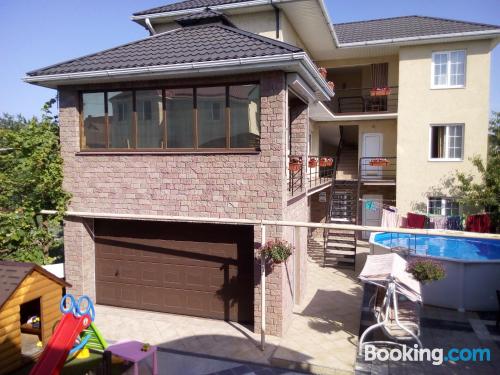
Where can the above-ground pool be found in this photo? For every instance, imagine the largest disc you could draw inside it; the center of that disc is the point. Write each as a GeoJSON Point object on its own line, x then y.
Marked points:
{"type": "Point", "coordinates": [472, 268]}
{"type": "Point", "coordinates": [442, 247]}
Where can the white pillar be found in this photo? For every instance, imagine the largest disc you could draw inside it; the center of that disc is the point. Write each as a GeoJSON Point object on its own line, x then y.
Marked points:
{"type": "Point", "coordinates": [262, 290]}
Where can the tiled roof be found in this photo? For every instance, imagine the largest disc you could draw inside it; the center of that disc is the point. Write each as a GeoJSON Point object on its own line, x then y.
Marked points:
{"type": "Point", "coordinates": [12, 275]}
{"type": "Point", "coordinates": [210, 42]}
{"type": "Point", "coordinates": [404, 27]}
{"type": "Point", "coordinates": [187, 4]}
{"type": "Point", "coordinates": [206, 16]}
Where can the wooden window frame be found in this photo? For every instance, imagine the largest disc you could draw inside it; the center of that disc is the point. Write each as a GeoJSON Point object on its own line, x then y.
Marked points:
{"type": "Point", "coordinates": [135, 150]}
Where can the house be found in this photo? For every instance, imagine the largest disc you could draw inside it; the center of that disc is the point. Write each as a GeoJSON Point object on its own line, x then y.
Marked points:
{"type": "Point", "coordinates": [222, 112]}
{"type": "Point", "coordinates": [26, 291]}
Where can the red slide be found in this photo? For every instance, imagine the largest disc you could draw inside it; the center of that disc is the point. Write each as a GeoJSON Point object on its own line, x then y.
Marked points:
{"type": "Point", "coordinates": [55, 353]}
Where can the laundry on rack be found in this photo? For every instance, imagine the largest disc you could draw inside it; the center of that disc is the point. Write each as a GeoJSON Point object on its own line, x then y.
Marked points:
{"type": "Point", "coordinates": [390, 219]}
{"type": "Point", "coordinates": [416, 220]}
{"type": "Point", "coordinates": [480, 223]}
{"type": "Point", "coordinates": [438, 222]}
{"type": "Point", "coordinates": [454, 223]}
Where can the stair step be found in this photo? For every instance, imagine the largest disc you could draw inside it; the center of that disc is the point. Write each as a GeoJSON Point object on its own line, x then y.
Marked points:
{"type": "Point", "coordinates": [341, 239]}
{"type": "Point", "coordinates": [346, 260]}
{"type": "Point", "coordinates": [341, 247]}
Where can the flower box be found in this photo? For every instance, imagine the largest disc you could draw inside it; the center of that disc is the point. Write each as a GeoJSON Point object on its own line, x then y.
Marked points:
{"type": "Point", "coordinates": [295, 165]}
{"type": "Point", "coordinates": [379, 162]}
{"type": "Point", "coordinates": [313, 163]}
{"type": "Point", "coordinates": [380, 91]}
{"type": "Point", "coordinates": [323, 162]}
{"type": "Point", "coordinates": [323, 72]}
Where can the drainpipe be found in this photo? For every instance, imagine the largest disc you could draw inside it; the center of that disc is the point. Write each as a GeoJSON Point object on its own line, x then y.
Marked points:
{"type": "Point", "coordinates": [277, 19]}
{"type": "Point", "coordinates": [150, 26]}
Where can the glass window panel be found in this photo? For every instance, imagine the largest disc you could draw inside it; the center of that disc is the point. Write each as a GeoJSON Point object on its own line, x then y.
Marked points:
{"type": "Point", "coordinates": [180, 120]}
{"type": "Point", "coordinates": [452, 208]}
{"type": "Point", "coordinates": [435, 206]}
{"type": "Point", "coordinates": [244, 104]}
{"type": "Point", "coordinates": [120, 112]}
{"type": "Point", "coordinates": [93, 113]}
{"type": "Point", "coordinates": [455, 141]}
{"type": "Point", "coordinates": [149, 107]}
{"type": "Point", "coordinates": [211, 102]}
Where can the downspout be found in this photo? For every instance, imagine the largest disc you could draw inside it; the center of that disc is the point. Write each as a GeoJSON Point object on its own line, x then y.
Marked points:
{"type": "Point", "coordinates": [277, 19]}
{"type": "Point", "coordinates": [150, 26]}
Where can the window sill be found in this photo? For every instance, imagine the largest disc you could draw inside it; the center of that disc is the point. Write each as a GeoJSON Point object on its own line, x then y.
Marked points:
{"type": "Point", "coordinates": [169, 152]}
{"type": "Point", "coordinates": [447, 87]}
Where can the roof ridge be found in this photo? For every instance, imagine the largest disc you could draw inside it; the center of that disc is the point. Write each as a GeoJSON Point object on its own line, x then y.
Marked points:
{"type": "Point", "coordinates": [417, 16]}
{"type": "Point", "coordinates": [32, 72]}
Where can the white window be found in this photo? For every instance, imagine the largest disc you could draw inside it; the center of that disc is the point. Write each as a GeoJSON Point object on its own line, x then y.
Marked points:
{"type": "Point", "coordinates": [447, 142]}
{"type": "Point", "coordinates": [448, 69]}
{"type": "Point", "coordinates": [443, 206]}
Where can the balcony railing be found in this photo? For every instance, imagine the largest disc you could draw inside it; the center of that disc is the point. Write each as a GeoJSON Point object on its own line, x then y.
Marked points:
{"type": "Point", "coordinates": [311, 171]}
{"type": "Point", "coordinates": [381, 169]}
{"type": "Point", "coordinates": [365, 100]}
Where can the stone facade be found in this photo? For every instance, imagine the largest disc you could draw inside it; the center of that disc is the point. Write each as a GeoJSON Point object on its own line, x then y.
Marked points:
{"type": "Point", "coordinates": [251, 185]}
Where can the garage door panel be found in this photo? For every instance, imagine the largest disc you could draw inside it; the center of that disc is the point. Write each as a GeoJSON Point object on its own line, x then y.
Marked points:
{"type": "Point", "coordinates": [184, 268]}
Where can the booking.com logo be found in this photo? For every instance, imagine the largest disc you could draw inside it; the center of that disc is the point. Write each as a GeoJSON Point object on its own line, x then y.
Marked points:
{"type": "Point", "coordinates": [436, 356]}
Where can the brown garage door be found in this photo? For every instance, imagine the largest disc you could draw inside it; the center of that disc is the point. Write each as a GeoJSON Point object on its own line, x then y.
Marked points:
{"type": "Point", "coordinates": [193, 269]}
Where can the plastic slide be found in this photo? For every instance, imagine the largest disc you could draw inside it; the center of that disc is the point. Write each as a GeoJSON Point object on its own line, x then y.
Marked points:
{"type": "Point", "coordinates": [73, 322]}
{"type": "Point", "coordinates": [96, 341]}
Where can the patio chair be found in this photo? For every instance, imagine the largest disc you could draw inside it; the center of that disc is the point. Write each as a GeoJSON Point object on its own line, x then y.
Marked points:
{"type": "Point", "coordinates": [398, 320]}
{"type": "Point", "coordinates": [396, 302]}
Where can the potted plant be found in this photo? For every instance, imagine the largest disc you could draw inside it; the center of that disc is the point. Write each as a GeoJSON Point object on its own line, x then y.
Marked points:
{"type": "Point", "coordinates": [329, 162]}
{"type": "Point", "coordinates": [277, 250]}
{"type": "Point", "coordinates": [313, 162]}
{"type": "Point", "coordinates": [323, 72]}
{"type": "Point", "coordinates": [426, 270]}
{"type": "Point", "coordinates": [379, 162]}
{"type": "Point", "coordinates": [295, 164]}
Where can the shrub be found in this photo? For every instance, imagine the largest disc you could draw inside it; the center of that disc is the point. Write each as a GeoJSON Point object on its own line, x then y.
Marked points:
{"type": "Point", "coordinates": [277, 250]}
{"type": "Point", "coordinates": [426, 270]}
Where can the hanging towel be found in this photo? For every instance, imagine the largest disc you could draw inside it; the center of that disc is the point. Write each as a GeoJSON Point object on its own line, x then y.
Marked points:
{"type": "Point", "coordinates": [438, 222]}
{"type": "Point", "coordinates": [454, 223]}
{"type": "Point", "coordinates": [390, 219]}
{"type": "Point", "coordinates": [416, 220]}
{"type": "Point", "coordinates": [478, 223]}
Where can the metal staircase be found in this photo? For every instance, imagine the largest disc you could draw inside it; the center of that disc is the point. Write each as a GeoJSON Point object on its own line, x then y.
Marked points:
{"type": "Point", "coordinates": [340, 245]}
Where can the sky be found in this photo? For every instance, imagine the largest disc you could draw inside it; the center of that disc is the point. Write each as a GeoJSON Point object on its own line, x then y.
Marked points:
{"type": "Point", "coordinates": [37, 33]}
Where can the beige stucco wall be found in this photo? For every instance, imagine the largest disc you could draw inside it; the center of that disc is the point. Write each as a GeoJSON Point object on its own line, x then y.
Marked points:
{"type": "Point", "coordinates": [388, 129]}
{"type": "Point", "coordinates": [314, 138]}
{"type": "Point", "coordinates": [419, 106]}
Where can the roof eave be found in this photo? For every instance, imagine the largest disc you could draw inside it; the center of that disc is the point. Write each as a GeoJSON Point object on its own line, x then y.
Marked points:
{"type": "Point", "coordinates": [300, 60]}
{"type": "Point", "coordinates": [486, 34]}
{"type": "Point", "coordinates": [177, 13]}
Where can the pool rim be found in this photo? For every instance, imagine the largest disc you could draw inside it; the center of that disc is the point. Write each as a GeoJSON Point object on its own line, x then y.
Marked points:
{"type": "Point", "coordinates": [374, 243]}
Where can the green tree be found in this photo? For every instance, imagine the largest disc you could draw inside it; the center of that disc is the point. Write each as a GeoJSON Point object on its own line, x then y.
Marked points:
{"type": "Point", "coordinates": [483, 193]}
{"type": "Point", "coordinates": [30, 181]}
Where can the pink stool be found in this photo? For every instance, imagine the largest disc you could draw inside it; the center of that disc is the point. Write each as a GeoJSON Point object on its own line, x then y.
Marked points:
{"type": "Point", "coordinates": [131, 351]}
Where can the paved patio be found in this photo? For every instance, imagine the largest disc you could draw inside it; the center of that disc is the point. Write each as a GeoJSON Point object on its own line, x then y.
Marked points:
{"type": "Point", "coordinates": [322, 337]}
{"type": "Point", "coordinates": [441, 328]}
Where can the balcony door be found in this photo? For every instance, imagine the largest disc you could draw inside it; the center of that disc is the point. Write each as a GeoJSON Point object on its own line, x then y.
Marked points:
{"type": "Point", "coordinates": [372, 148]}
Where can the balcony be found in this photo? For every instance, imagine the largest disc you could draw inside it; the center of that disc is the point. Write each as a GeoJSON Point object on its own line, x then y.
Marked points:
{"type": "Point", "coordinates": [378, 170]}
{"type": "Point", "coordinates": [312, 172]}
{"type": "Point", "coordinates": [364, 101]}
